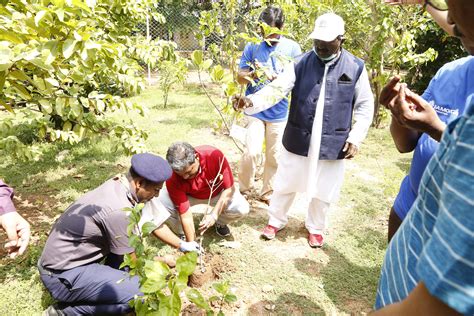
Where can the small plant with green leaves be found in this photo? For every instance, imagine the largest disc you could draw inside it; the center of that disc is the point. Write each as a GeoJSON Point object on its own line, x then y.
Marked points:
{"type": "Point", "coordinates": [213, 185]}
{"type": "Point", "coordinates": [172, 73]}
{"type": "Point", "coordinates": [162, 286]}
{"type": "Point", "coordinates": [218, 75]}
{"type": "Point", "coordinates": [225, 295]}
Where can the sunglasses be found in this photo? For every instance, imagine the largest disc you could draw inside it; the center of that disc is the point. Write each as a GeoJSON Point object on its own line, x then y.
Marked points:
{"type": "Point", "coordinates": [440, 5]}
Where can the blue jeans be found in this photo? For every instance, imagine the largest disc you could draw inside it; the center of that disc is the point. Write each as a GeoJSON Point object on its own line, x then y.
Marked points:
{"type": "Point", "coordinates": [92, 289]}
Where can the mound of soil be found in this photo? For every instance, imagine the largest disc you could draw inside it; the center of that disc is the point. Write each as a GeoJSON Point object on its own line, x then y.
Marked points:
{"type": "Point", "coordinates": [214, 265]}
{"type": "Point", "coordinates": [192, 310]}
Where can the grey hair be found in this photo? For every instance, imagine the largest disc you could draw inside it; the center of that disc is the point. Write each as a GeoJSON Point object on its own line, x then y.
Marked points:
{"type": "Point", "coordinates": [180, 155]}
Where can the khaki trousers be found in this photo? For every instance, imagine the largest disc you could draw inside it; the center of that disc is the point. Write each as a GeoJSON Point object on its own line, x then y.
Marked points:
{"type": "Point", "coordinates": [259, 131]}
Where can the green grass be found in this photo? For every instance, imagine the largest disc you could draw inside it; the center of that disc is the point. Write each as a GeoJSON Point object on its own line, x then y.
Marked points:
{"type": "Point", "coordinates": [278, 277]}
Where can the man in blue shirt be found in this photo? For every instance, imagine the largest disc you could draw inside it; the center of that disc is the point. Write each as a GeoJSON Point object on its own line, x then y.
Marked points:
{"type": "Point", "coordinates": [259, 65]}
{"type": "Point", "coordinates": [429, 265]}
{"type": "Point", "coordinates": [446, 93]}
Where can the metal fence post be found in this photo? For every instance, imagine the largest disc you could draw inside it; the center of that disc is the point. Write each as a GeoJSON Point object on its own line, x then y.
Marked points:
{"type": "Point", "coordinates": [148, 39]}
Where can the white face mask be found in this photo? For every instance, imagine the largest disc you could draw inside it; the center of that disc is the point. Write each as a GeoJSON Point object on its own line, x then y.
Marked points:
{"type": "Point", "coordinates": [326, 59]}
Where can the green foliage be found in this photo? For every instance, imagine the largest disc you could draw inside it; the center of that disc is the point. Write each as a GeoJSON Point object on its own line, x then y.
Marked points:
{"type": "Point", "coordinates": [161, 285]}
{"type": "Point", "coordinates": [64, 65]}
{"type": "Point", "coordinates": [448, 48]}
{"type": "Point", "coordinates": [383, 36]}
{"type": "Point", "coordinates": [172, 73]}
{"type": "Point", "coordinates": [225, 294]}
{"type": "Point", "coordinates": [228, 84]}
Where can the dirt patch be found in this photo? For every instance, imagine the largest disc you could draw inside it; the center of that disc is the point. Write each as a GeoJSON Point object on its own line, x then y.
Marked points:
{"type": "Point", "coordinates": [40, 210]}
{"type": "Point", "coordinates": [261, 308]}
{"type": "Point", "coordinates": [193, 310]}
{"type": "Point", "coordinates": [356, 307]}
{"type": "Point", "coordinates": [36, 206]}
{"type": "Point", "coordinates": [286, 304]}
{"type": "Point", "coordinates": [214, 266]}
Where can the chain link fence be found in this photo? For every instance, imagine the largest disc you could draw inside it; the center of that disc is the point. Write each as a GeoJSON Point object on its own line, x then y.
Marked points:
{"type": "Point", "coordinates": [181, 28]}
{"type": "Point", "coordinates": [182, 25]}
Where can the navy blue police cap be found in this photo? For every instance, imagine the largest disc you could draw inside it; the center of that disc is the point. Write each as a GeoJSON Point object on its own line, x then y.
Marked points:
{"type": "Point", "coordinates": [151, 167]}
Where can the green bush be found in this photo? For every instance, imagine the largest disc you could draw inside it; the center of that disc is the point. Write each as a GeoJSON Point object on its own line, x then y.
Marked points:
{"type": "Point", "coordinates": [448, 48]}
{"type": "Point", "coordinates": [64, 66]}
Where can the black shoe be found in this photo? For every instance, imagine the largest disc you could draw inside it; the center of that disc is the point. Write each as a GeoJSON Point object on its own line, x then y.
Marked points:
{"type": "Point", "coordinates": [52, 311]}
{"type": "Point", "coordinates": [222, 230]}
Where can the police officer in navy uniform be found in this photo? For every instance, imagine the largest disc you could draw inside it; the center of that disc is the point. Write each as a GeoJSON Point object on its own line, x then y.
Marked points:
{"type": "Point", "coordinates": [94, 228]}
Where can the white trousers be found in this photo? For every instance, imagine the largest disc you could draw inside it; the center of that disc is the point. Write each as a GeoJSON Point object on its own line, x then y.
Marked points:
{"type": "Point", "coordinates": [316, 217]}
{"type": "Point", "coordinates": [237, 208]}
{"type": "Point", "coordinates": [292, 177]}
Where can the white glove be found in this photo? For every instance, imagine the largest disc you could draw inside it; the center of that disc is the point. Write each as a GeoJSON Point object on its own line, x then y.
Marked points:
{"type": "Point", "coordinates": [187, 246]}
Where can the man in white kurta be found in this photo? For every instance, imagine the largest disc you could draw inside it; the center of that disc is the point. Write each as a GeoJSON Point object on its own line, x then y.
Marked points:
{"type": "Point", "coordinates": [320, 180]}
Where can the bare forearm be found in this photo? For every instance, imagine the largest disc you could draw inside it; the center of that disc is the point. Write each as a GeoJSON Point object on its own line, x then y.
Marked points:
{"type": "Point", "coordinates": [223, 201]}
{"type": "Point", "coordinates": [441, 18]}
{"type": "Point", "coordinates": [187, 222]}
{"type": "Point", "coordinates": [389, 310]}
{"type": "Point", "coordinates": [418, 302]}
{"type": "Point", "coordinates": [167, 236]}
{"type": "Point", "coordinates": [405, 138]}
{"type": "Point", "coordinates": [436, 130]}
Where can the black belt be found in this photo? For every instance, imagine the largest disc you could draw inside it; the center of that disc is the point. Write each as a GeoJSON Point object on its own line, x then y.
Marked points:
{"type": "Point", "coordinates": [49, 272]}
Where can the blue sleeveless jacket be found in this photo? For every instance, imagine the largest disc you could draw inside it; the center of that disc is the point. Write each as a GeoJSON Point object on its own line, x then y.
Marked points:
{"type": "Point", "coordinates": [341, 79]}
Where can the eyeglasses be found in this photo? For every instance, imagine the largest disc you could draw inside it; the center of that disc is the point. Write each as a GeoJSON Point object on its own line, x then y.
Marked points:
{"type": "Point", "coordinates": [440, 5]}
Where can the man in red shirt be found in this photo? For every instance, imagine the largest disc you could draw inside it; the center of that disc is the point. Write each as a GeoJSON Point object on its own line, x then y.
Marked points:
{"type": "Point", "coordinates": [201, 175]}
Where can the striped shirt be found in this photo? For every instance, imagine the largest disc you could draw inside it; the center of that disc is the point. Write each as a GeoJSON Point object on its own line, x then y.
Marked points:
{"type": "Point", "coordinates": [435, 244]}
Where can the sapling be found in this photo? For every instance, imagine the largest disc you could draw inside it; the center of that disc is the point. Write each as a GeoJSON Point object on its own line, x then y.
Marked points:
{"type": "Point", "coordinates": [214, 184]}
{"type": "Point", "coordinates": [160, 285]}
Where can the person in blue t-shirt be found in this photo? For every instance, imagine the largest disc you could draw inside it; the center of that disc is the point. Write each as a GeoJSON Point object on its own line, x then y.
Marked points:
{"type": "Point", "coordinates": [446, 93]}
{"type": "Point", "coordinates": [260, 64]}
{"type": "Point", "coordinates": [428, 268]}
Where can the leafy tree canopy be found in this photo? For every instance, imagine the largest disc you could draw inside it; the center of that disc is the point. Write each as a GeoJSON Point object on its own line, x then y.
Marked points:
{"type": "Point", "coordinates": [65, 64]}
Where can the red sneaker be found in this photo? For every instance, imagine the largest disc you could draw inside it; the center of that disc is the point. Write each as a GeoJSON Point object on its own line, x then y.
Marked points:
{"type": "Point", "coordinates": [269, 232]}
{"type": "Point", "coordinates": [315, 240]}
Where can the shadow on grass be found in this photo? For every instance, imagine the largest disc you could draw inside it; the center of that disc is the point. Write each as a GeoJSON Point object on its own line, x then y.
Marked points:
{"type": "Point", "coordinates": [257, 219]}
{"type": "Point", "coordinates": [94, 162]}
{"type": "Point", "coordinates": [36, 198]}
{"type": "Point", "coordinates": [369, 239]}
{"type": "Point", "coordinates": [351, 287]}
{"type": "Point", "coordinates": [46, 298]}
{"type": "Point", "coordinates": [404, 164]}
{"type": "Point", "coordinates": [286, 304]}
